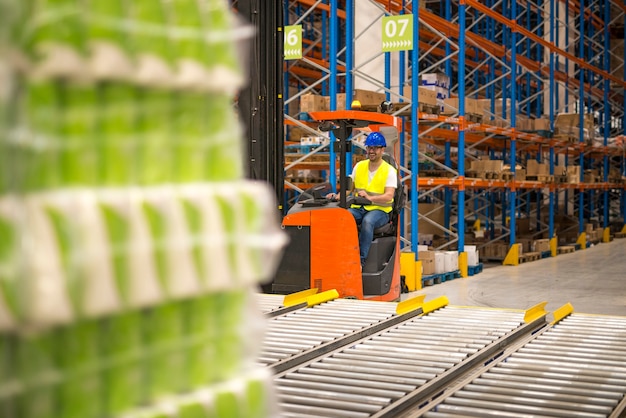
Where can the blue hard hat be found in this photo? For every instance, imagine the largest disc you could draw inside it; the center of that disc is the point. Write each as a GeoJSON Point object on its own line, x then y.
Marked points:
{"type": "Point", "coordinates": [375, 139]}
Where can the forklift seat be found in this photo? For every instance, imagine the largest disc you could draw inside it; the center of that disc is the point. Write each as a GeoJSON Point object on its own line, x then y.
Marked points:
{"type": "Point", "coordinates": [399, 198]}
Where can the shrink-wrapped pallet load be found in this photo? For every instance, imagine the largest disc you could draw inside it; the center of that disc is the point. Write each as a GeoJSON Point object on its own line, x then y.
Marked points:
{"type": "Point", "coordinates": [130, 244]}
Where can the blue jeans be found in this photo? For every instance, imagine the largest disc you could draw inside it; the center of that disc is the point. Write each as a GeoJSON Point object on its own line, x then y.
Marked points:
{"type": "Point", "coordinates": [369, 220]}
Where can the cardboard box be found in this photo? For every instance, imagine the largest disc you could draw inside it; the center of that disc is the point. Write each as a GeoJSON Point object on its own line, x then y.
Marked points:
{"type": "Point", "coordinates": [541, 245]}
{"type": "Point", "coordinates": [527, 244]}
{"type": "Point", "coordinates": [525, 124]}
{"type": "Point", "coordinates": [312, 103]}
{"type": "Point", "coordinates": [340, 101]}
{"type": "Point", "coordinates": [542, 124]}
{"type": "Point", "coordinates": [368, 97]}
{"type": "Point", "coordinates": [472, 255]}
{"type": "Point", "coordinates": [435, 79]}
{"type": "Point", "coordinates": [484, 107]}
{"type": "Point", "coordinates": [440, 262]}
{"type": "Point", "coordinates": [428, 262]}
{"type": "Point", "coordinates": [296, 133]}
{"type": "Point", "coordinates": [494, 166]}
{"type": "Point", "coordinates": [573, 170]}
{"type": "Point", "coordinates": [560, 170]}
{"type": "Point", "coordinates": [533, 168]}
{"type": "Point", "coordinates": [565, 121]}
{"type": "Point", "coordinates": [425, 239]}
{"type": "Point", "coordinates": [427, 96]}
{"type": "Point", "coordinates": [451, 261]}
{"type": "Point", "coordinates": [451, 106]}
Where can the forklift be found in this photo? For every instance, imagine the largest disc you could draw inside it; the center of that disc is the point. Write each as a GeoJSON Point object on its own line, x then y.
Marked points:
{"type": "Point", "coordinates": [323, 248]}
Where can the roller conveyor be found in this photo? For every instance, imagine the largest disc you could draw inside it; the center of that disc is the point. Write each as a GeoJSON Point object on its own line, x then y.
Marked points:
{"type": "Point", "coordinates": [303, 334]}
{"type": "Point", "coordinates": [269, 303]}
{"type": "Point", "coordinates": [575, 368]}
{"type": "Point", "coordinates": [401, 366]}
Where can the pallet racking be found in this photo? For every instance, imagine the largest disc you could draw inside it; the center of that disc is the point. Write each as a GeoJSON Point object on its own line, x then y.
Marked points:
{"type": "Point", "coordinates": [561, 57]}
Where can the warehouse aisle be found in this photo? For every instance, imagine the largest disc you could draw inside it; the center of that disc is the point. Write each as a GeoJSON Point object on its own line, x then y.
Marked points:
{"type": "Point", "coordinates": [593, 280]}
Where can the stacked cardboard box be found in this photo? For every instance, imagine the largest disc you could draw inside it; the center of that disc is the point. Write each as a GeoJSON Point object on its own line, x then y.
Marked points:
{"type": "Point", "coordinates": [368, 98]}
{"type": "Point", "coordinates": [541, 245]}
{"type": "Point", "coordinates": [573, 173]}
{"type": "Point", "coordinates": [451, 106]}
{"type": "Point", "coordinates": [312, 102]}
{"type": "Point", "coordinates": [439, 83]}
{"type": "Point", "coordinates": [536, 169]}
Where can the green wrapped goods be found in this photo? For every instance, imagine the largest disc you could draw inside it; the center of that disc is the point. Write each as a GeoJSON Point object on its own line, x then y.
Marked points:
{"type": "Point", "coordinates": [228, 315]}
{"type": "Point", "coordinates": [158, 231]}
{"type": "Point", "coordinates": [187, 30]}
{"type": "Point", "coordinates": [106, 20]}
{"type": "Point", "coordinates": [154, 39]}
{"type": "Point", "coordinates": [122, 349]}
{"type": "Point", "coordinates": [201, 329]}
{"type": "Point", "coordinates": [10, 257]}
{"type": "Point", "coordinates": [118, 232]}
{"type": "Point", "coordinates": [118, 136]}
{"type": "Point", "coordinates": [164, 350]}
{"type": "Point", "coordinates": [154, 133]}
{"type": "Point", "coordinates": [38, 153]}
{"type": "Point", "coordinates": [191, 138]}
{"type": "Point", "coordinates": [223, 137]}
{"type": "Point", "coordinates": [77, 153]}
{"type": "Point", "coordinates": [39, 371]}
{"type": "Point", "coordinates": [79, 361]}
{"type": "Point", "coordinates": [67, 244]}
{"type": "Point", "coordinates": [193, 218]}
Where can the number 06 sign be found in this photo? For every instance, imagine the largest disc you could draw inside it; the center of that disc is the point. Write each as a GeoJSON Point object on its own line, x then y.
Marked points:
{"type": "Point", "coordinates": [397, 33]}
{"type": "Point", "coordinates": [293, 42]}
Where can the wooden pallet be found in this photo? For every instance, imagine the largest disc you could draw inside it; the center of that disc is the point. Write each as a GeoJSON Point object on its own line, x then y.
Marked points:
{"type": "Point", "coordinates": [436, 173]}
{"type": "Point", "coordinates": [491, 175]}
{"type": "Point", "coordinates": [565, 249]}
{"type": "Point", "coordinates": [473, 118]}
{"type": "Point", "coordinates": [507, 176]}
{"type": "Point", "coordinates": [472, 270]}
{"type": "Point", "coordinates": [429, 108]}
{"type": "Point", "coordinates": [529, 257]}
{"type": "Point", "coordinates": [619, 235]}
{"type": "Point", "coordinates": [306, 180]}
{"type": "Point", "coordinates": [432, 279]}
{"type": "Point", "coordinates": [542, 178]}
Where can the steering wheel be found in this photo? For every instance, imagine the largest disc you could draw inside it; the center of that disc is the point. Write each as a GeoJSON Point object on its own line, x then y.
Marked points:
{"type": "Point", "coordinates": [358, 200]}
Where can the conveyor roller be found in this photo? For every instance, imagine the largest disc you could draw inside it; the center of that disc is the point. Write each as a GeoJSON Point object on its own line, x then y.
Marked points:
{"type": "Point", "coordinates": [299, 335]}
{"type": "Point", "coordinates": [576, 368]}
{"type": "Point", "coordinates": [268, 303]}
{"type": "Point", "coordinates": [368, 377]}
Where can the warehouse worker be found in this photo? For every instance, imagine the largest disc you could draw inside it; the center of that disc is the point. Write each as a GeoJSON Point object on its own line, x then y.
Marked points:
{"type": "Point", "coordinates": [375, 180]}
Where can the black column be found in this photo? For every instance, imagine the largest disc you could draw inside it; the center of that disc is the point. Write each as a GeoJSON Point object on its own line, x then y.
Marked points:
{"type": "Point", "coordinates": [261, 102]}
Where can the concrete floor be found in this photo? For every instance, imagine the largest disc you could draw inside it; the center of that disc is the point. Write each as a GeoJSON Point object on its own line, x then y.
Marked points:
{"type": "Point", "coordinates": [592, 280]}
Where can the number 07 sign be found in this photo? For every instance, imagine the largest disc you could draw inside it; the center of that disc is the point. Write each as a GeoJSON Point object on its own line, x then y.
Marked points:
{"type": "Point", "coordinates": [397, 33]}
{"type": "Point", "coordinates": [293, 42]}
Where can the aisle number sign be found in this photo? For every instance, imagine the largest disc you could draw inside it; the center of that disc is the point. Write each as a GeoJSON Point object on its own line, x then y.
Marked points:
{"type": "Point", "coordinates": [397, 33]}
{"type": "Point", "coordinates": [293, 42]}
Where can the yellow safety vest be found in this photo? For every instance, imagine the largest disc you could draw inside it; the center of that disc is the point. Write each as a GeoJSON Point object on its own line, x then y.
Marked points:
{"type": "Point", "coordinates": [376, 186]}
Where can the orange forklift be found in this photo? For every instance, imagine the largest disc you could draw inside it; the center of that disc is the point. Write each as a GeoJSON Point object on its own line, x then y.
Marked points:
{"type": "Point", "coordinates": [323, 250]}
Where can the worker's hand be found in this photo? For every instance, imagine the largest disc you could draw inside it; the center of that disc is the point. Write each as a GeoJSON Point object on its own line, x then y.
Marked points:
{"type": "Point", "coordinates": [332, 196]}
{"type": "Point", "coordinates": [363, 193]}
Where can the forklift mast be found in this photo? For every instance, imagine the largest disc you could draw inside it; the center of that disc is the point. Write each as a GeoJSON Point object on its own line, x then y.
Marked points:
{"type": "Point", "coordinates": [261, 101]}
